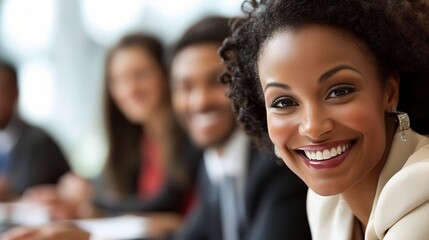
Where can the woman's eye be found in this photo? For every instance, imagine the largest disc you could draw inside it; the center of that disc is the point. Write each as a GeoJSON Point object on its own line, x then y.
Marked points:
{"type": "Point", "coordinates": [284, 103]}
{"type": "Point", "coordinates": [340, 91]}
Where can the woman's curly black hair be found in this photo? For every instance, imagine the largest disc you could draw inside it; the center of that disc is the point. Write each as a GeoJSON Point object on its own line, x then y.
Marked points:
{"type": "Point", "coordinates": [396, 32]}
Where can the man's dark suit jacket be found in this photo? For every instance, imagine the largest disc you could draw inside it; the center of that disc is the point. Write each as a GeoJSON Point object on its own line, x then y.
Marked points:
{"type": "Point", "coordinates": [35, 159]}
{"type": "Point", "coordinates": [275, 205]}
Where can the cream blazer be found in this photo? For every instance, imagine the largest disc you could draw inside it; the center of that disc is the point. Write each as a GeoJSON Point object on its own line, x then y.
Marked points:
{"type": "Point", "coordinates": [401, 206]}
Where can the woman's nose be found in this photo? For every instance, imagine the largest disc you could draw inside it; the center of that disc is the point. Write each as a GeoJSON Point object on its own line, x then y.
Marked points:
{"type": "Point", "coordinates": [315, 123]}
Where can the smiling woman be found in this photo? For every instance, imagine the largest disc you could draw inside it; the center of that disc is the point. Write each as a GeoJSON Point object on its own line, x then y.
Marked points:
{"type": "Point", "coordinates": [326, 96]}
{"type": "Point", "coordinates": [328, 78]}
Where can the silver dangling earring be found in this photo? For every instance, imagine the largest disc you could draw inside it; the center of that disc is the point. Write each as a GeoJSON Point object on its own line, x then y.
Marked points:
{"type": "Point", "coordinates": [276, 152]}
{"type": "Point", "coordinates": [403, 123]}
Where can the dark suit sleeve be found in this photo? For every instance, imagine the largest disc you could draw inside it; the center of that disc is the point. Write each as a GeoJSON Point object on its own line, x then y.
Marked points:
{"type": "Point", "coordinates": [195, 226]}
{"type": "Point", "coordinates": [281, 213]}
{"type": "Point", "coordinates": [37, 159]}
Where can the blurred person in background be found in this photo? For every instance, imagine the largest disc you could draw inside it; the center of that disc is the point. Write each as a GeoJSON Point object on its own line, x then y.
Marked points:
{"type": "Point", "coordinates": [244, 193]}
{"type": "Point", "coordinates": [150, 164]}
{"type": "Point", "coordinates": [28, 156]}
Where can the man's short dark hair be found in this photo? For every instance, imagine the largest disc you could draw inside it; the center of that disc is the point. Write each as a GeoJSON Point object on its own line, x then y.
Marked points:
{"type": "Point", "coordinates": [213, 29]}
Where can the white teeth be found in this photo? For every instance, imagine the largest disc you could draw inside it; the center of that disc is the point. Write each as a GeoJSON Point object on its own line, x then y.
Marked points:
{"type": "Point", "coordinates": [333, 152]}
{"type": "Point", "coordinates": [326, 153]}
{"type": "Point", "coordinates": [308, 154]}
{"type": "Point", "coordinates": [319, 155]}
{"type": "Point", "coordinates": [209, 116]}
{"type": "Point", "coordinates": [203, 120]}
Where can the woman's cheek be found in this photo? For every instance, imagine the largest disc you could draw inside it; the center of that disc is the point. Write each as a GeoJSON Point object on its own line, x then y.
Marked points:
{"type": "Point", "coordinates": [362, 117]}
{"type": "Point", "coordinates": [280, 129]}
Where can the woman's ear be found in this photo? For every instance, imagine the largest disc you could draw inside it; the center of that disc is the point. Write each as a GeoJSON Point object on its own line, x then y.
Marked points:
{"type": "Point", "coordinates": [391, 92]}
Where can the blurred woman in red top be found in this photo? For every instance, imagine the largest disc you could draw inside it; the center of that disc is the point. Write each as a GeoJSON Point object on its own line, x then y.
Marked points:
{"type": "Point", "coordinates": [151, 164]}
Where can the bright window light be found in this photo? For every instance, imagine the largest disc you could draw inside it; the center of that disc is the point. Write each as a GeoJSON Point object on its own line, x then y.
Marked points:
{"type": "Point", "coordinates": [174, 8]}
{"type": "Point", "coordinates": [169, 18]}
{"type": "Point", "coordinates": [27, 27]}
{"type": "Point", "coordinates": [106, 20]}
{"type": "Point", "coordinates": [36, 82]}
{"type": "Point", "coordinates": [230, 7]}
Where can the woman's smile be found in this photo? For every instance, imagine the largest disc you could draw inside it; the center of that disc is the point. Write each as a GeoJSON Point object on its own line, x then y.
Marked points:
{"type": "Point", "coordinates": [325, 156]}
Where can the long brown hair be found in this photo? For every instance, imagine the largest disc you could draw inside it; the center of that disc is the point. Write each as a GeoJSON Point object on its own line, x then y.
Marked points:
{"type": "Point", "coordinates": [123, 160]}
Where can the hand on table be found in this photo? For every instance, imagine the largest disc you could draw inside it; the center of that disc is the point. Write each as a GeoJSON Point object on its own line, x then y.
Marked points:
{"type": "Point", "coordinates": [5, 194]}
{"type": "Point", "coordinates": [69, 199]}
{"type": "Point", "coordinates": [162, 224]}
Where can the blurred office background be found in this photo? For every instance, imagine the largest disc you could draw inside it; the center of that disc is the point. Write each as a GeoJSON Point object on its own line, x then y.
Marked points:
{"type": "Point", "coordinates": [59, 48]}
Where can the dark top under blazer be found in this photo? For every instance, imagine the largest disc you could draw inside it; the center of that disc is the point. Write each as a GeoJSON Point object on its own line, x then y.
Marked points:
{"type": "Point", "coordinates": [275, 205]}
{"type": "Point", "coordinates": [172, 196]}
{"type": "Point", "coordinates": [35, 159]}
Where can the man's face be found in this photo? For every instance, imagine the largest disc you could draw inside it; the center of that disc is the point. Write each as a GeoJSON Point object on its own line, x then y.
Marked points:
{"type": "Point", "coordinates": [8, 97]}
{"type": "Point", "coordinates": [199, 98]}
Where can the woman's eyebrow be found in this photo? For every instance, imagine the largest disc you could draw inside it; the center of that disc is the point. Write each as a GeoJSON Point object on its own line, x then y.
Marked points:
{"type": "Point", "coordinates": [276, 85]}
{"type": "Point", "coordinates": [325, 76]}
{"type": "Point", "coordinates": [334, 70]}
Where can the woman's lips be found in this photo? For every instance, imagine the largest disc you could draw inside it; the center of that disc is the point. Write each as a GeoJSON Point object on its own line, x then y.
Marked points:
{"type": "Point", "coordinates": [325, 156]}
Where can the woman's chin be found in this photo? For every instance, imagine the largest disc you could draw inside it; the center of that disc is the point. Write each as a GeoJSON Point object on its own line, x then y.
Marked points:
{"type": "Point", "coordinates": [326, 189]}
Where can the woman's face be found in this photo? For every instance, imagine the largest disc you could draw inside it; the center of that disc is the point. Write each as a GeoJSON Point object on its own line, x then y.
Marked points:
{"type": "Point", "coordinates": [325, 106]}
{"type": "Point", "coordinates": [136, 83]}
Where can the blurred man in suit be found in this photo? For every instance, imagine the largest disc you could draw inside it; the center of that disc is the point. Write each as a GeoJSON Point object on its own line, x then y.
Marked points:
{"type": "Point", "coordinates": [243, 193]}
{"type": "Point", "coordinates": [28, 156]}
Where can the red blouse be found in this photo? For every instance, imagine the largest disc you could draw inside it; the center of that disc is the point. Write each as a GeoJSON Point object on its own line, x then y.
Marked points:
{"type": "Point", "coordinates": [152, 173]}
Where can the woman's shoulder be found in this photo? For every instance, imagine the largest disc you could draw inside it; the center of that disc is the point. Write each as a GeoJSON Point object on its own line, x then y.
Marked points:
{"type": "Point", "coordinates": [405, 196]}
